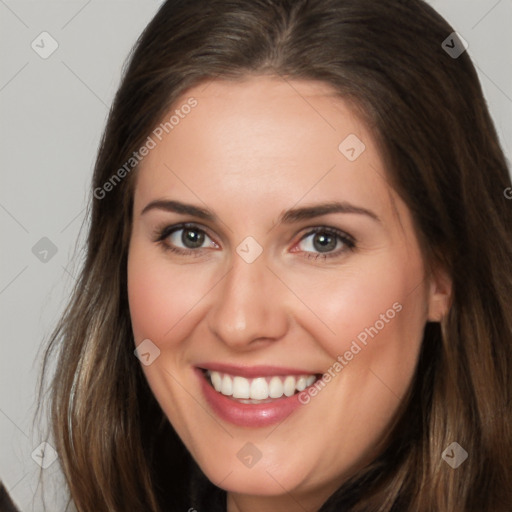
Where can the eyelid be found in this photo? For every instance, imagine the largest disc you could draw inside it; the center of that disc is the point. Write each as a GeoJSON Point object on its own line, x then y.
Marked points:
{"type": "Point", "coordinates": [163, 232]}
{"type": "Point", "coordinates": [327, 229]}
{"type": "Point", "coordinates": [348, 241]}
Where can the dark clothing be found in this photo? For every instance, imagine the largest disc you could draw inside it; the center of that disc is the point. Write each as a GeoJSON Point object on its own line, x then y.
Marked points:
{"type": "Point", "coordinates": [204, 495]}
{"type": "Point", "coordinates": [6, 504]}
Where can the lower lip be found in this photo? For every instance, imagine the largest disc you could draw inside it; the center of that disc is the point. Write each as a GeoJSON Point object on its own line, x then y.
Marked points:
{"type": "Point", "coordinates": [247, 415]}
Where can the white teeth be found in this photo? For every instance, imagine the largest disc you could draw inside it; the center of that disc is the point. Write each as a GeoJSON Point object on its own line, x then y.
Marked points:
{"type": "Point", "coordinates": [301, 384]}
{"type": "Point", "coordinates": [260, 388]}
{"type": "Point", "coordinates": [227, 386]}
{"type": "Point", "coordinates": [289, 385]}
{"type": "Point", "coordinates": [241, 388]}
{"type": "Point", "coordinates": [216, 381]}
{"type": "Point", "coordinates": [276, 389]}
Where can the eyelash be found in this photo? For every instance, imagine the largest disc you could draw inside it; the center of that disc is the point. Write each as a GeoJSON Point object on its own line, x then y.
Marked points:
{"type": "Point", "coordinates": [161, 234]}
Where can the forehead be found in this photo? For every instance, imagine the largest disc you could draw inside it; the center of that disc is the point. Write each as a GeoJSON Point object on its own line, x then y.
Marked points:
{"type": "Point", "coordinates": [263, 135]}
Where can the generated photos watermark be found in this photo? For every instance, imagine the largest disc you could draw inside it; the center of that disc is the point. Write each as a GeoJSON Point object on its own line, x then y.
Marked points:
{"type": "Point", "coordinates": [356, 346]}
{"type": "Point", "coordinates": [454, 455]}
{"type": "Point", "coordinates": [151, 142]}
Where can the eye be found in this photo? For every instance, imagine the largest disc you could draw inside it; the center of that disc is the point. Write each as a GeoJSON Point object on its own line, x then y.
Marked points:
{"type": "Point", "coordinates": [184, 239]}
{"type": "Point", "coordinates": [326, 242]}
{"type": "Point", "coordinates": [190, 240]}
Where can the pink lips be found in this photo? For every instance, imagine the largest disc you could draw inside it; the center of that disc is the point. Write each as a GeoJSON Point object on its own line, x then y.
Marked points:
{"type": "Point", "coordinates": [248, 415]}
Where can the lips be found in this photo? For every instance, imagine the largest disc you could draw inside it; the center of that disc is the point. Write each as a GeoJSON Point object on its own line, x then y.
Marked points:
{"type": "Point", "coordinates": [253, 396]}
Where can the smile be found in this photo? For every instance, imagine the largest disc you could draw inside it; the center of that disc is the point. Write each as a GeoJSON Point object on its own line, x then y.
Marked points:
{"type": "Point", "coordinates": [260, 388]}
{"type": "Point", "coordinates": [258, 398]}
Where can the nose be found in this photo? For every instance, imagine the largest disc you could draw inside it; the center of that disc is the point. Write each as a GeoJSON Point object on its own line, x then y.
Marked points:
{"type": "Point", "coordinates": [250, 306]}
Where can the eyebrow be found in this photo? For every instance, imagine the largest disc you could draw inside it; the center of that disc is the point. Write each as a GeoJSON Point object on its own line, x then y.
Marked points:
{"type": "Point", "coordinates": [288, 217]}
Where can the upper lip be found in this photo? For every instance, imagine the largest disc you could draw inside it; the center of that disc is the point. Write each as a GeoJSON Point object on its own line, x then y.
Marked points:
{"type": "Point", "coordinates": [253, 371]}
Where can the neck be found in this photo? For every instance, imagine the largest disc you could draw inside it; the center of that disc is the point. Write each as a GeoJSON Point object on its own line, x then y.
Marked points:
{"type": "Point", "coordinates": [284, 503]}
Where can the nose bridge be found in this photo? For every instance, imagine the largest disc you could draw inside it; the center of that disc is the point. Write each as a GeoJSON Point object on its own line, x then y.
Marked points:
{"type": "Point", "coordinates": [247, 304]}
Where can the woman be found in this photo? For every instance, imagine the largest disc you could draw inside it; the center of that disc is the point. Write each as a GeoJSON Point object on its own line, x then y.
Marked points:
{"type": "Point", "coordinates": [299, 225]}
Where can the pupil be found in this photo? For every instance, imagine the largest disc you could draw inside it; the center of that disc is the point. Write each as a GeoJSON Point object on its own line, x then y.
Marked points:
{"type": "Point", "coordinates": [192, 238]}
{"type": "Point", "coordinates": [324, 242]}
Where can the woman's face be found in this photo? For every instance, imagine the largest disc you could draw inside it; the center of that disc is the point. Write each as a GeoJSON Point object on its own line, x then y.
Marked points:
{"type": "Point", "coordinates": [297, 261]}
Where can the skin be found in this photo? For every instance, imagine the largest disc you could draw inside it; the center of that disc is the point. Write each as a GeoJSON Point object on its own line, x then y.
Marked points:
{"type": "Point", "coordinates": [249, 151]}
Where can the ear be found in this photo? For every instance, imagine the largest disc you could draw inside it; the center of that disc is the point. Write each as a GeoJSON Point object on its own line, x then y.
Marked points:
{"type": "Point", "coordinates": [439, 294]}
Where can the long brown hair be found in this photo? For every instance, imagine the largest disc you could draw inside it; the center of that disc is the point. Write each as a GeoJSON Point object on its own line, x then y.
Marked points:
{"type": "Point", "coordinates": [427, 112]}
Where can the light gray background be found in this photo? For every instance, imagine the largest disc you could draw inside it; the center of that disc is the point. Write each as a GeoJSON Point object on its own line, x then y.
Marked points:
{"type": "Point", "coordinates": [52, 114]}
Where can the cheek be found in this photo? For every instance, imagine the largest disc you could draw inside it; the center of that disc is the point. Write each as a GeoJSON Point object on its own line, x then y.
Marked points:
{"type": "Point", "coordinates": [160, 295]}
{"type": "Point", "coordinates": [147, 298]}
{"type": "Point", "coordinates": [379, 298]}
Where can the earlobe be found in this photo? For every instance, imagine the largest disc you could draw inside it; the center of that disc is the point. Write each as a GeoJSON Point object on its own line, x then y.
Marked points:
{"type": "Point", "coordinates": [440, 294]}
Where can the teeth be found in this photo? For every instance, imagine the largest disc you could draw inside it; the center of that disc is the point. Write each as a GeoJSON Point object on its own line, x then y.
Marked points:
{"type": "Point", "coordinates": [227, 386]}
{"type": "Point", "coordinates": [276, 389]}
{"type": "Point", "coordinates": [260, 388]}
{"type": "Point", "coordinates": [289, 385]}
{"type": "Point", "coordinates": [216, 381]}
{"type": "Point", "coordinates": [241, 387]}
{"type": "Point", "coordinates": [301, 384]}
